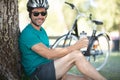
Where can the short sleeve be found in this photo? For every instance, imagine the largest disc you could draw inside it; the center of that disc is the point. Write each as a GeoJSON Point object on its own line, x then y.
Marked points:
{"type": "Point", "coordinates": [29, 38]}
{"type": "Point", "coordinates": [31, 41]}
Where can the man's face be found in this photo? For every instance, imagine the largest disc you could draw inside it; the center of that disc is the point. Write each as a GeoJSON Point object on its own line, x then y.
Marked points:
{"type": "Point", "coordinates": [38, 16]}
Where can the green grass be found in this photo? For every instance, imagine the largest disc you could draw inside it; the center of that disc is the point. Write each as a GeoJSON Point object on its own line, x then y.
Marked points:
{"type": "Point", "coordinates": [111, 70]}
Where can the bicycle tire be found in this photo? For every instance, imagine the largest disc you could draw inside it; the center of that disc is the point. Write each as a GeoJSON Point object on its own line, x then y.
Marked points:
{"type": "Point", "coordinates": [99, 50]}
{"type": "Point", "coordinates": [60, 41]}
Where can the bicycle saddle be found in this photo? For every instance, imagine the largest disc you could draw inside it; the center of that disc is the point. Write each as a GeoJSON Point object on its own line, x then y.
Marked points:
{"type": "Point", "coordinates": [97, 22]}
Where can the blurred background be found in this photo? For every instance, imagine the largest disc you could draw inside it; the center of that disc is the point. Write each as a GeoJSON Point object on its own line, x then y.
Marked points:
{"type": "Point", "coordinates": [60, 17]}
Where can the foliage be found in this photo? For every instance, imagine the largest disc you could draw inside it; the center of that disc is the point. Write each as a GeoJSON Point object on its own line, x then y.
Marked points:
{"type": "Point", "coordinates": [107, 11]}
{"type": "Point", "coordinates": [61, 16]}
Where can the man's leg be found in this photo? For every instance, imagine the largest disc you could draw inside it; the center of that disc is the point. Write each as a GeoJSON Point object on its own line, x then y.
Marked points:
{"type": "Point", "coordinates": [65, 63]}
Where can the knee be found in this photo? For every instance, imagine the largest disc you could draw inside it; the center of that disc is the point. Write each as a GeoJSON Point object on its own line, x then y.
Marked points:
{"type": "Point", "coordinates": [76, 54]}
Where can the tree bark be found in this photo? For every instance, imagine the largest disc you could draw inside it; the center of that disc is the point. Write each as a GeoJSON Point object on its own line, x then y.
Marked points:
{"type": "Point", "coordinates": [9, 32]}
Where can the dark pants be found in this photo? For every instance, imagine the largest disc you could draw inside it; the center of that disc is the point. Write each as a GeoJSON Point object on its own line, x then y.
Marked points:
{"type": "Point", "coordinates": [44, 72]}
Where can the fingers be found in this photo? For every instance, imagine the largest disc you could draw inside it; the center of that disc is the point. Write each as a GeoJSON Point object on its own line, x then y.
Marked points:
{"type": "Point", "coordinates": [83, 42]}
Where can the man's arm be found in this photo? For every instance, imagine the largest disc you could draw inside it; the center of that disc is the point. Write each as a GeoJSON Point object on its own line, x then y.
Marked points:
{"type": "Point", "coordinates": [42, 50]}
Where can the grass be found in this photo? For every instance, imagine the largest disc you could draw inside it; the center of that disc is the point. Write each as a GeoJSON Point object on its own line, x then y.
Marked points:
{"type": "Point", "coordinates": [111, 70]}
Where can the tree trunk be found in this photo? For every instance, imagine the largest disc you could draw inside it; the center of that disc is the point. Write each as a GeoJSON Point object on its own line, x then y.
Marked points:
{"type": "Point", "coordinates": [9, 32]}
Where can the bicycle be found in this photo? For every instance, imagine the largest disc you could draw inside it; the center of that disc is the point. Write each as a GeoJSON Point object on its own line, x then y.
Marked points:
{"type": "Point", "coordinates": [98, 50]}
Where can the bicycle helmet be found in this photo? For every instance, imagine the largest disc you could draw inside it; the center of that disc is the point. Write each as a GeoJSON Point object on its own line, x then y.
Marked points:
{"type": "Point", "coordinates": [37, 4]}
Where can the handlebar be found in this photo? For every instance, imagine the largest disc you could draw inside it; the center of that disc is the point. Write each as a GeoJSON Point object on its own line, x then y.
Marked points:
{"type": "Point", "coordinates": [71, 5]}
{"type": "Point", "coordinates": [83, 15]}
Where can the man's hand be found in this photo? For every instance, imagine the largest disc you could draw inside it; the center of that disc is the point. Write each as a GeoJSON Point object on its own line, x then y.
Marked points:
{"type": "Point", "coordinates": [83, 42]}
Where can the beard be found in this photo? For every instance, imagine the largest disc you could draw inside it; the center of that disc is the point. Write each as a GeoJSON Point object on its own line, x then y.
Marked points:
{"type": "Point", "coordinates": [38, 21]}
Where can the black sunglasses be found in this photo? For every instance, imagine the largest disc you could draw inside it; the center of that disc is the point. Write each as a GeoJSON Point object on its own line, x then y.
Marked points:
{"type": "Point", "coordinates": [42, 13]}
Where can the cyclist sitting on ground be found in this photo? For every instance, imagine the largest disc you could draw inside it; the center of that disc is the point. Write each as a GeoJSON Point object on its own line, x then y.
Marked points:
{"type": "Point", "coordinates": [42, 63]}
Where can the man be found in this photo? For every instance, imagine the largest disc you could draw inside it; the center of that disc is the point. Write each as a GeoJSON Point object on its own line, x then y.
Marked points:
{"type": "Point", "coordinates": [38, 59]}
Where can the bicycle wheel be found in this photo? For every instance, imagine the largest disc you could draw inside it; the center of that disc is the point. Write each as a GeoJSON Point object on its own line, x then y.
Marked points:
{"type": "Point", "coordinates": [99, 50]}
{"type": "Point", "coordinates": [64, 42]}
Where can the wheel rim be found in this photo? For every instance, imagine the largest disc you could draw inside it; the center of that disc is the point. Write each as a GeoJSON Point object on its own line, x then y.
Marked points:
{"type": "Point", "coordinates": [60, 42]}
{"type": "Point", "coordinates": [99, 52]}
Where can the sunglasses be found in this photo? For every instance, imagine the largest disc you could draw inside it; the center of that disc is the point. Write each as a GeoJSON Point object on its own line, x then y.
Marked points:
{"type": "Point", "coordinates": [41, 13]}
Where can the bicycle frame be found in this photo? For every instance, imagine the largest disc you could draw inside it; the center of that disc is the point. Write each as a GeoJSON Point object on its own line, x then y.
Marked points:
{"type": "Point", "coordinates": [100, 50]}
{"type": "Point", "coordinates": [75, 29]}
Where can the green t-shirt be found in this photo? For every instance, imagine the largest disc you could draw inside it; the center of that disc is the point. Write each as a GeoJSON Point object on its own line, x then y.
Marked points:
{"type": "Point", "coordinates": [29, 37]}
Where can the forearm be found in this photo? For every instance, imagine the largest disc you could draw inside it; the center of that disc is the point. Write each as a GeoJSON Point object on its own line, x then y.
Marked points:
{"type": "Point", "coordinates": [42, 50]}
{"type": "Point", "coordinates": [60, 52]}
